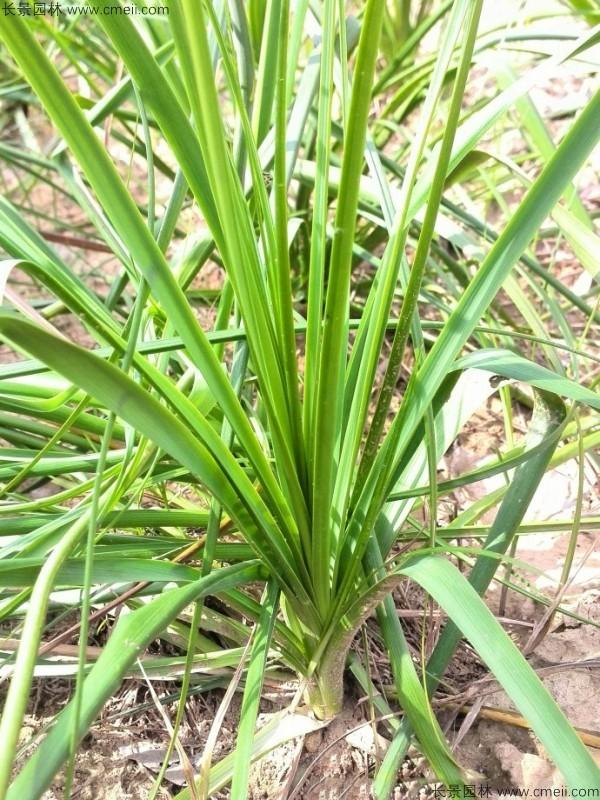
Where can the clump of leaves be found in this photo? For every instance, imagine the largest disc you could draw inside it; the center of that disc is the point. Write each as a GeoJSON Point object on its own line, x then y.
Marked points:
{"type": "Point", "coordinates": [292, 458]}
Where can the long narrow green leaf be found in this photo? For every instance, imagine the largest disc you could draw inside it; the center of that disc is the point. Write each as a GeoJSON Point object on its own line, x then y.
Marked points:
{"type": "Point", "coordinates": [21, 572]}
{"type": "Point", "coordinates": [130, 402]}
{"type": "Point", "coordinates": [131, 635]}
{"type": "Point", "coordinates": [379, 302]}
{"type": "Point", "coordinates": [468, 611]}
{"type": "Point", "coordinates": [510, 365]}
{"type": "Point", "coordinates": [546, 425]}
{"type": "Point", "coordinates": [327, 422]}
{"type": "Point", "coordinates": [544, 193]}
{"type": "Point", "coordinates": [252, 692]}
{"type": "Point", "coordinates": [318, 240]}
{"type": "Point", "coordinates": [239, 250]}
{"type": "Point", "coordinates": [127, 220]}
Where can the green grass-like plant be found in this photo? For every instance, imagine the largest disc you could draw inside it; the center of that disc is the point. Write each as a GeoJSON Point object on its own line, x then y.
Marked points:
{"type": "Point", "coordinates": [270, 418]}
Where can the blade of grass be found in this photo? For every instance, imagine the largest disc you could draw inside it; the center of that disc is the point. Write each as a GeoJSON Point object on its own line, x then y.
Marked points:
{"type": "Point", "coordinates": [466, 609]}
{"type": "Point", "coordinates": [327, 421]}
{"type": "Point", "coordinates": [252, 693]}
{"type": "Point", "coordinates": [546, 426]}
{"type": "Point", "coordinates": [131, 635]}
{"type": "Point", "coordinates": [129, 401]}
{"type": "Point", "coordinates": [103, 177]}
{"type": "Point", "coordinates": [544, 193]}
